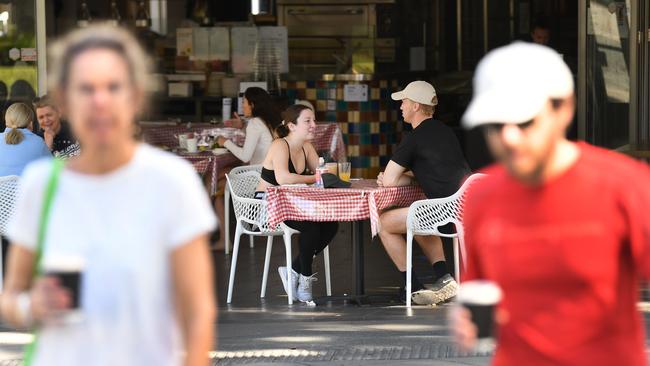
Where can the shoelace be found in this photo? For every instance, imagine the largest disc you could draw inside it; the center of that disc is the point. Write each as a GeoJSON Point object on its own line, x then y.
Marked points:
{"type": "Point", "coordinates": [308, 280]}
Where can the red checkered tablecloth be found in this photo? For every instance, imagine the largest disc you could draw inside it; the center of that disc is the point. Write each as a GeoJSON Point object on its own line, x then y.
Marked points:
{"type": "Point", "coordinates": [330, 138]}
{"type": "Point", "coordinates": [364, 200]}
{"type": "Point", "coordinates": [208, 164]}
{"type": "Point", "coordinates": [167, 135]}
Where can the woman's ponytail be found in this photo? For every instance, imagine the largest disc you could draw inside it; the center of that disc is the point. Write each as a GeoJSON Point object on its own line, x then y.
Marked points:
{"type": "Point", "coordinates": [18, 115]}
{"type": "Point", "coordinates": [14, 137]}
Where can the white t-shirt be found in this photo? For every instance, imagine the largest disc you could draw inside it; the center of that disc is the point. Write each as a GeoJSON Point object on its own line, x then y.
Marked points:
{"type": "Point", "coordinates": [257, 143]}
{"type": "Point", "coordinates": [125, 224]}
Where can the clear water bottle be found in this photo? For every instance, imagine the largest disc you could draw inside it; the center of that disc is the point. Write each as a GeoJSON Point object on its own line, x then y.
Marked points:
{"type": "Point", "coordinates": [319, 171]}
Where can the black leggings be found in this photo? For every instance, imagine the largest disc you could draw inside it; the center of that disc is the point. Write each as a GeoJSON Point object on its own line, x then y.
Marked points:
{"type": "Point", "coordinates": [313, 238]}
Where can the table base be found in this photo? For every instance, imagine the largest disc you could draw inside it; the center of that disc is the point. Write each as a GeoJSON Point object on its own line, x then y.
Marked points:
{"type": "Point", "coordinates": [359, 296]}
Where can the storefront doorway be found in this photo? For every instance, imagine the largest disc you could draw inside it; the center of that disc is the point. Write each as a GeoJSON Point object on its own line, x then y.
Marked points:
{"type": "Point", "coordinates": [18, 56]}
{"type": "Point", "coordinates": [613, 92]}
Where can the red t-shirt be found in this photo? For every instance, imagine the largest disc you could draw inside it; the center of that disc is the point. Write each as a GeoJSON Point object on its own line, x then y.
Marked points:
{"type": "Point", "coordinates": [568, 255]}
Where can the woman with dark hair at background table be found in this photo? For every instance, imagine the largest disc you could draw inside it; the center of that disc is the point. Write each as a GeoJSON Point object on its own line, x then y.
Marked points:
{"type": "Point", "coordinates": [263, 118]}
{"type": "Point", "coordinates": [292, 159]}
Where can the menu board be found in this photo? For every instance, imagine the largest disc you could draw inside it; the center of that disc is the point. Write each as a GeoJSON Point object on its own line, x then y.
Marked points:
{"type": "Point", "coordinates": [243, 40]}
{"type": "Point", "coordinates": [203, 44]}
{"type": "Point", "coordinates": [277, 36]}
{"type": "Point", "coordinates": [219, 43]}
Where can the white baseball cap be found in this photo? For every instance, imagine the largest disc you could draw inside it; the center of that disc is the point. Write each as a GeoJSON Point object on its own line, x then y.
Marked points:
{"type": "Point", "coordinates": [417, 91]}
{"type": "Point", "coordinates": [513, 83]}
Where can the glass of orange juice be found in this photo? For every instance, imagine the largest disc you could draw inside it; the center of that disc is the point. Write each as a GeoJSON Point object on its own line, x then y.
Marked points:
{"type": "Point", "coordinates": [344, 171]}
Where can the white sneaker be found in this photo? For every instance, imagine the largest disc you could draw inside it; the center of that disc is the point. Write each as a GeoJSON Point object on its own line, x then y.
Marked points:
{"type": "Point", "coordinates": [442, 290]}
{"type": "Point", "coordinates": [304, 288]}
{"type": "Point", "coordinates": [294, 281]}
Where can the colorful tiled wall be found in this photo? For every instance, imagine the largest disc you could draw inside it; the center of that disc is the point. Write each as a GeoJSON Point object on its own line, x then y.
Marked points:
{"type": "Point", "coordinates": [371, 129]}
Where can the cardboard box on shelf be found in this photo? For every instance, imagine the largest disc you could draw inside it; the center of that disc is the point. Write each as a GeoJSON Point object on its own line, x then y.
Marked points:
{"type": "Point", "coordinates": [180, 89]}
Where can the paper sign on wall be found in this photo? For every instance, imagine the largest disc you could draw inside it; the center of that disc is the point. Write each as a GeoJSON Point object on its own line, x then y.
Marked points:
{"type": "Point", "coordinates": [184, 42]}
{"type": "Point", "coordinates": [355, 93]}
{"type": "Point", "coordinates": [28, 54]}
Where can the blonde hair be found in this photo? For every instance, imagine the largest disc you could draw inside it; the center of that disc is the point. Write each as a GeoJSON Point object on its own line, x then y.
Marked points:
{"type": "Point", "coordinates": [18, 115]}
{"type": "Point", "coordinates": [98, 36]}
{"type": "Point", "coordinates": [429, 110]}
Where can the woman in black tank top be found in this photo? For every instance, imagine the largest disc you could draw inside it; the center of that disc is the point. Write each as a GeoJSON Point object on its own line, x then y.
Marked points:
{"type": "Point", "coordinates": [292, 159]}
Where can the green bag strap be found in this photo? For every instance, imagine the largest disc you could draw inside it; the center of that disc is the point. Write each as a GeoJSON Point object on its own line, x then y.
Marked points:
{"type": "Point", "coordinates": [50, 191]}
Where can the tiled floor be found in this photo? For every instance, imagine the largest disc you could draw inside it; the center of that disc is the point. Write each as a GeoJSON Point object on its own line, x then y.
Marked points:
{"type": "Point", "coordinates": [256, 331]}
{"type": "Point", "coordinates": [262, 331]}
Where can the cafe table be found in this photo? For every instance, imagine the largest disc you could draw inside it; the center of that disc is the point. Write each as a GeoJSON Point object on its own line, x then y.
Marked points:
{"type": "Point", "coordinates": [364, 200]}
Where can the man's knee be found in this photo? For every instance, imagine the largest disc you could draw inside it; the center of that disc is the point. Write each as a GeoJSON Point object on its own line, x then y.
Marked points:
{"type": "Point", "coordinates": [393, 221]}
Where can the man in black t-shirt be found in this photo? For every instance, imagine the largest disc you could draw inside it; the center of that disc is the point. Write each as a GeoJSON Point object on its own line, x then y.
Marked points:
{"type": "Point", "coordinates": [430, 156]}
{"type": "Point", "coordinates": [53, 130]}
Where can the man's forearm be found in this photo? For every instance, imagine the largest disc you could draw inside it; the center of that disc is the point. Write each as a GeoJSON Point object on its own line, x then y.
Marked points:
{"type": "Point", "coordinates": [402, 180]}
{"type": "Point", "coordinates": [405, 180]}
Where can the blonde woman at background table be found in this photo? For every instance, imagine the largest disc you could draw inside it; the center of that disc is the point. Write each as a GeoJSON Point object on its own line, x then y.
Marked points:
{"type": "Point", "coordinates": [18, 144]}
{"type": "Point", "coordinates": [136, 216]}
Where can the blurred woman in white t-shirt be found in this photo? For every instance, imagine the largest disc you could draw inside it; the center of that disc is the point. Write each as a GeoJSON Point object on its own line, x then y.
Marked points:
{"type": "Point", "coordinates": [138, 218]}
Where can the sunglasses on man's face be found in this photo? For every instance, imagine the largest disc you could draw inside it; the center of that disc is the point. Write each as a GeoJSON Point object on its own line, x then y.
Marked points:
{"type": "Point", "coordinates": [498, 127]}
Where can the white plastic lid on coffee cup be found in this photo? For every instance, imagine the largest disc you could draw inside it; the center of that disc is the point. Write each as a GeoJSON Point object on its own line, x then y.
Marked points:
{"type": "Point", "coordinates": [479, 292]}
{"type": "Point", "coordinates": [67, 263]}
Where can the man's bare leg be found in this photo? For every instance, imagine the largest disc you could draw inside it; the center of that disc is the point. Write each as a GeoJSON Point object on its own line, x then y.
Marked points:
{"type": "Point", "coordinates": [393, 228]}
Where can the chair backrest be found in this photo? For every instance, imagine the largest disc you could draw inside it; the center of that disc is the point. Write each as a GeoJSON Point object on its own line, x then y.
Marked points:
{"type": "Point", "coordinates": [8, 195]}
{"type": "Point", "coordinates": [245, 168]}
{"type": "Point", "coordinates": [242, 185]}
{"type": "Point", "coordinates": [426, 216]}
{"type": "Point", "coordinates": [243, 180]}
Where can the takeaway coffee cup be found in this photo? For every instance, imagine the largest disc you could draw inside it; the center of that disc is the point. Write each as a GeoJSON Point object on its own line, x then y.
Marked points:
{"type": "Point", "coordinates": [481, 298]}
{"type": "Point", "coordinates": [68, 270]}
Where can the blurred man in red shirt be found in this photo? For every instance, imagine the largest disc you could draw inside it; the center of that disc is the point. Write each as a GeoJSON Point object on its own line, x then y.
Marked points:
{"type": "Point", "coordinates": [560, 227]}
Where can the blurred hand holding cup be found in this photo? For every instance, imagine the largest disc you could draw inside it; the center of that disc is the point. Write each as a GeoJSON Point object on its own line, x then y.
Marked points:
{"type": "Point", "coordinates": [68, 272]}
{"type": "Point", "coordinates": [481, 298]}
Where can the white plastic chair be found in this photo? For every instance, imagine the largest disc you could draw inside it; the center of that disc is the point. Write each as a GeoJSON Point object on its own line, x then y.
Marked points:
{"type": "Point", "coordinates": [8, 194]}
{"type": "Point", "coordinates": [426, 216]}
{"type": "Point", "coordinates": [252, 219]}
{"type": "Point", "coordinates": [226, 195]}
